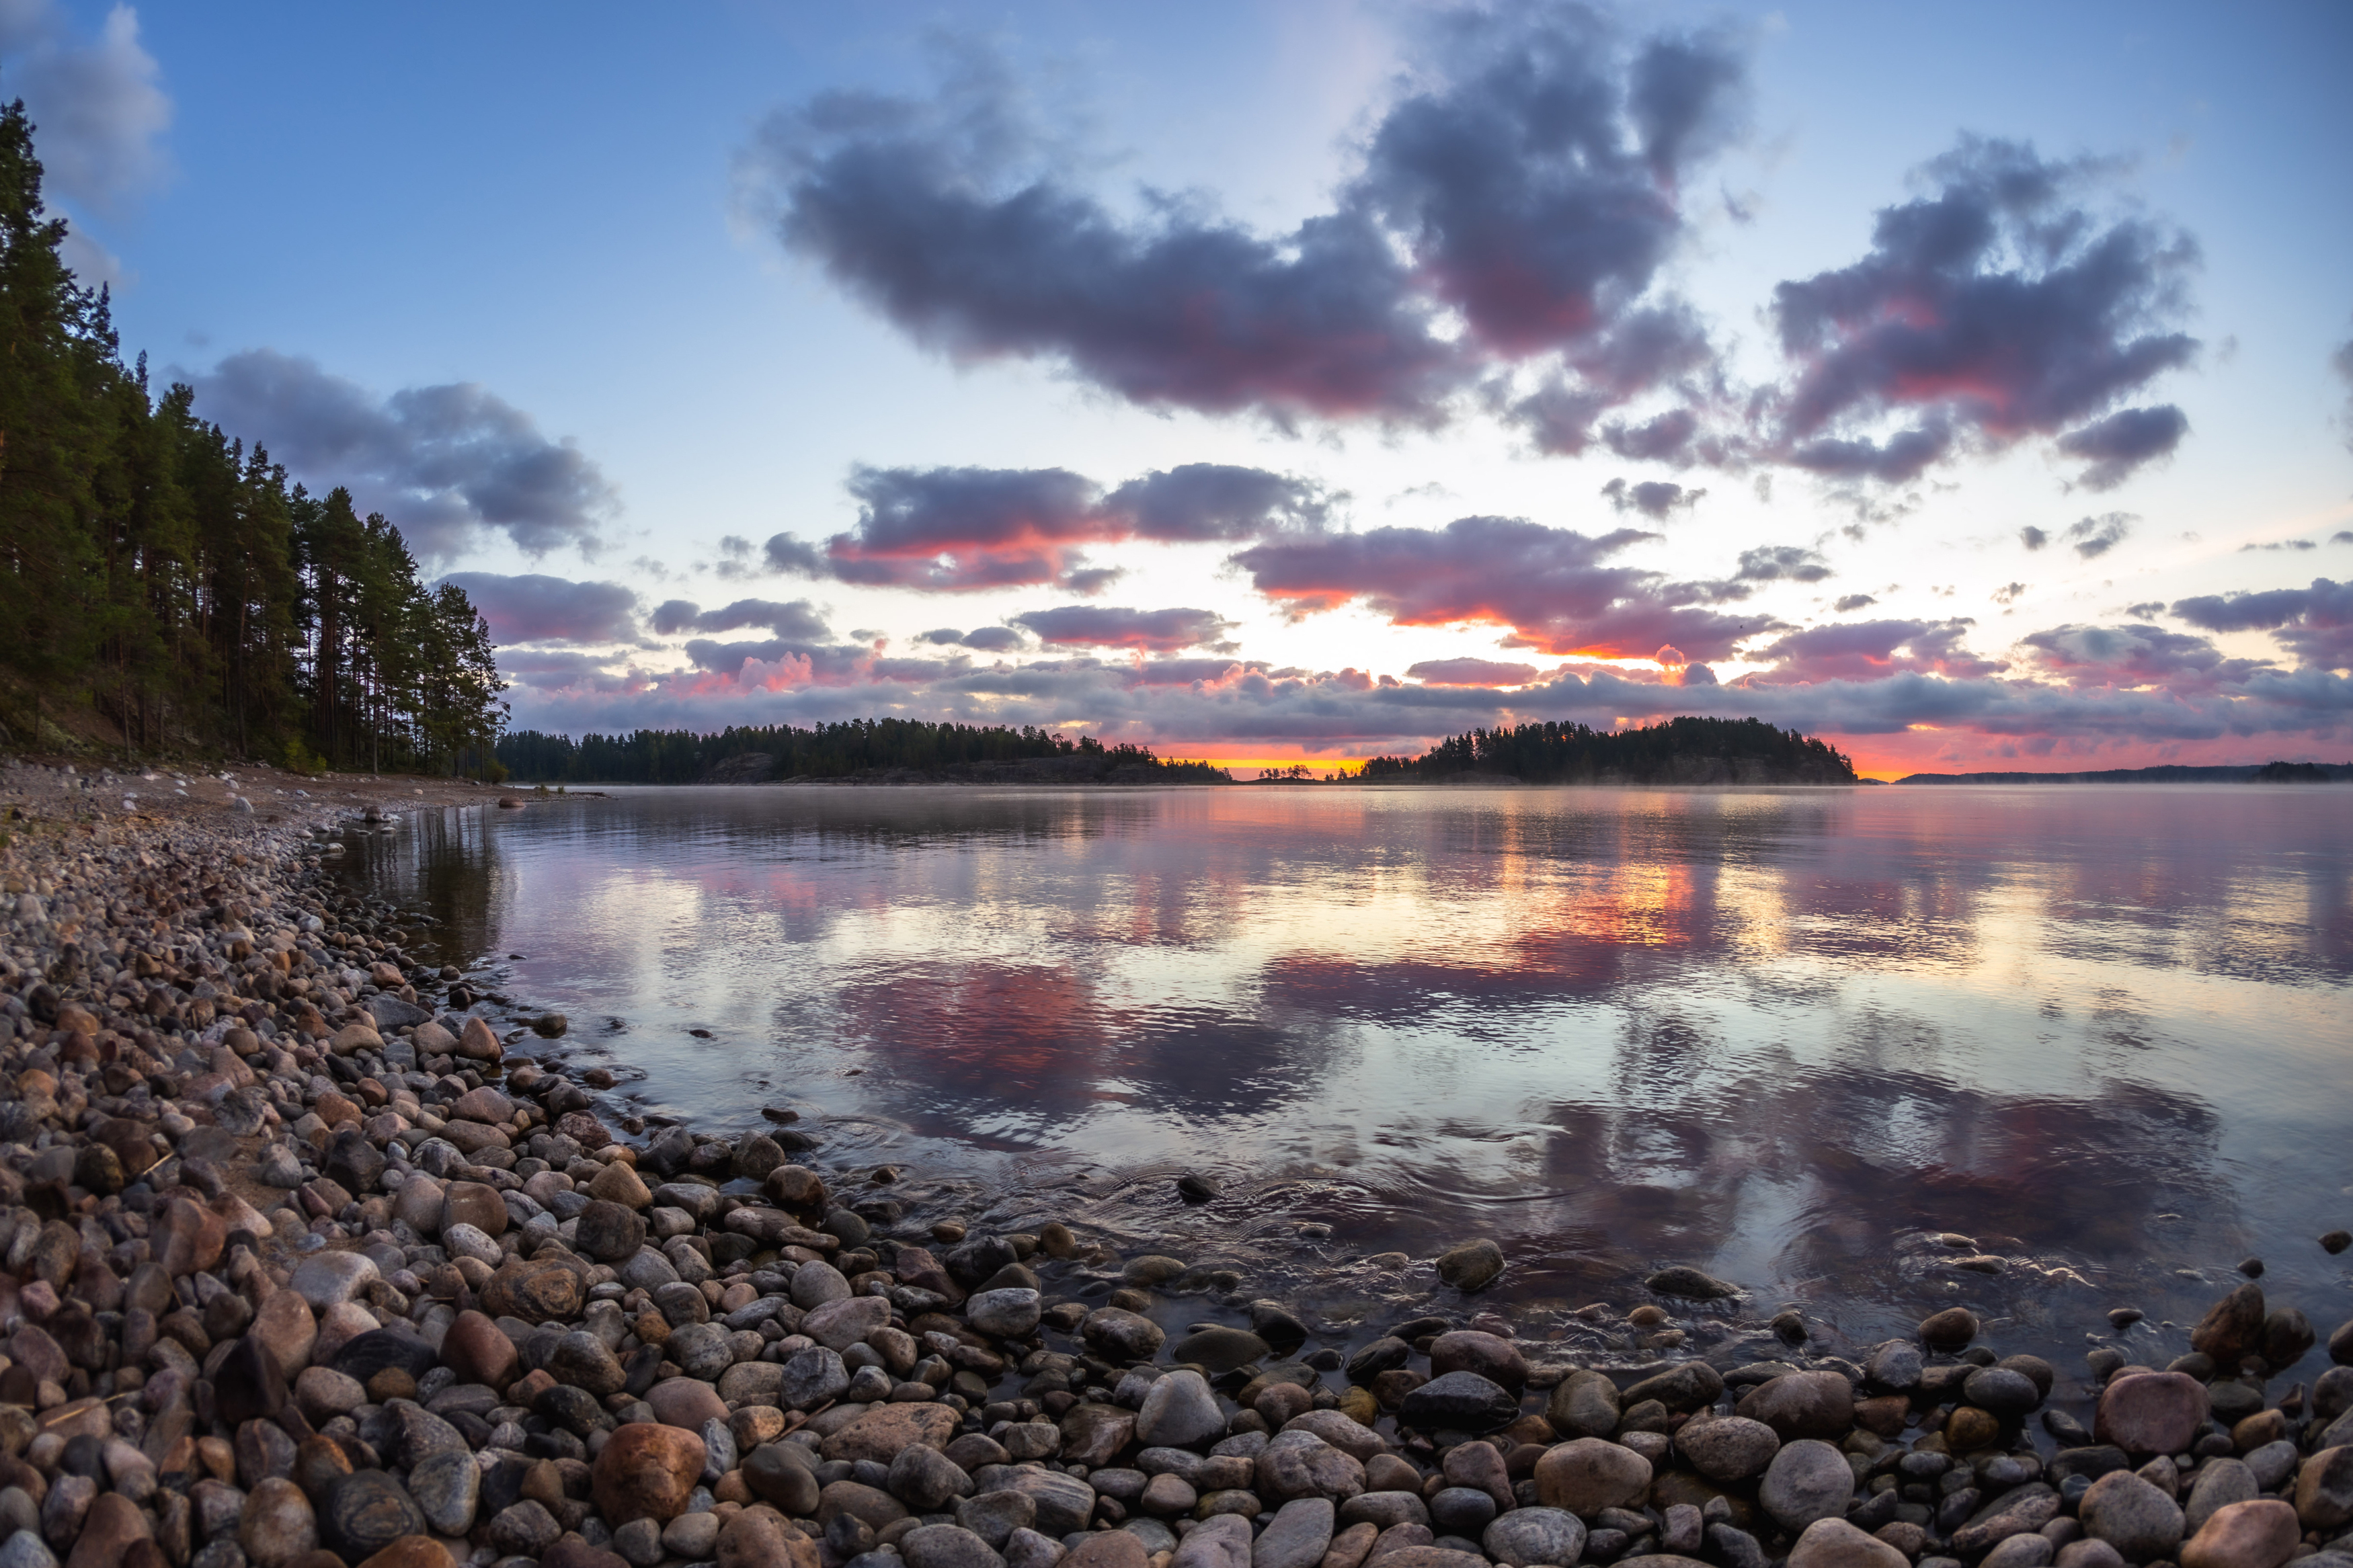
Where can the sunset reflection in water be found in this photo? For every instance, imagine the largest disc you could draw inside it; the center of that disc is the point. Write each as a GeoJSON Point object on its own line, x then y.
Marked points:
{"type": "Point", "coordinates": [1786, 1035]}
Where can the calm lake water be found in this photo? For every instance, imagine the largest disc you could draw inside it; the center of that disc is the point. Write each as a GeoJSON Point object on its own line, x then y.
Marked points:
{"type": "Point", "coordinates": [1792, 1037]}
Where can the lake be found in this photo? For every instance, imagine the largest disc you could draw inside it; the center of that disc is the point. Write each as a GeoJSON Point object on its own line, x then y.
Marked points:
{"type": "Point", "coordinates": [2041, 1051]}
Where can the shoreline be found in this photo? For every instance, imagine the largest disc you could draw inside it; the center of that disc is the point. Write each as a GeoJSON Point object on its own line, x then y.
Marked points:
{"type": "Point", "coordinates": [303, 1261]}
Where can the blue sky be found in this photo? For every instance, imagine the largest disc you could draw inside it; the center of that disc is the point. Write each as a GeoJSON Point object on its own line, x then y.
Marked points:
{"type": "Point", "coordinates": [579, 214]}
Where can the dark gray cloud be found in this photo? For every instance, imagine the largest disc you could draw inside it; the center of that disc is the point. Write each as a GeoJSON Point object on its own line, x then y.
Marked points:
{"type": "Point", "coordinates": [1652, 497]}
{"type": "Point", "coordinates": [1525, 181]}
{"type": "Point", "coordinates": [1528, 206]}
{"type": "Point", "coordinates": [445, 463]}
{"type": "Point", "coordinates": [952, 530]}
{"type": "Point", "coordinates": [1559, 591]}
{"type": "Point", "coordinates": [1873, 651]}
{"type": "Point", "coordinates": [1218, 502]}
{"type": "Point", "coordinates": [2136, 656]}
{"type": "Point", "coordinates": [2094, 537]}
{"type": "Point", "coordinates": [987, 639]}
{"type": "Point", "coordinates": [2034, 538]}
{"type": "Point", "coordinates": [534, 608]}
{"type": "Point", "coordinates": [798, 621]}
{"type": "Point", "coordinates": [2314, 622]}
{"type": "Point", "coordinates": [2279, 545]}
{"type": "Point", "coordinates": [1850, 603]}
{"type": "Point", "coordinates": [1471, 672]}
{"type": "Point", "coordinates": [2001, 306]}
{"type": "Point", "coordinates": [1782, 562]}
{"type": "Point", "coordinates": [1150, 631]}
{"type": "Point", "coordinates": [97, 104]}
{"type": "Point", "coordinates": [2118, 445]}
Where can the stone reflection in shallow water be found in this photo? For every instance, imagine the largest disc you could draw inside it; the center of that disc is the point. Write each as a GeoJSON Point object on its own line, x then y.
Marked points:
{"type": "Point", "coordinates": [1789, 1037]}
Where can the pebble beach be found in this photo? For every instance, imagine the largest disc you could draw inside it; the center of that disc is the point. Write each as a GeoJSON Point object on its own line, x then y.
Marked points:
{"type": "Point", "coordinates": [311, 1260]}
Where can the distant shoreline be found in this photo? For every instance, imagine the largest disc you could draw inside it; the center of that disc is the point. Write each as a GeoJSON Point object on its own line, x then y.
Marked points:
{"type": "Point", "coordinates": [2245, 773]}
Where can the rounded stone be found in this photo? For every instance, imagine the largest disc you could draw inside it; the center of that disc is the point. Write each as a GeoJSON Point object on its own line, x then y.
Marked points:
{"type": "Point", "coordinates": [1461, 1510]}
{"type": "Point", "coordinates": [1835, 1543]}
{"type": "Point", "coordinates": [1727, 1448]}
{"type": "Point", "coordinates": [277, 1524]}
{"type": "Point", "coordinates": [1950, 1330]}
{"type": "Point", "coordinates": [2001, 1391]}
{"type": "Point", "coordinates": [2151, 1412]}
{"type": "Point", "coordinates": [812, 1377]}
{"type": "Point", "coordinates": [581, 1360]}
{"type": "Point", "coordinates": [1179, 1412]}
{"type": "Point", "coordinates": [1529, 1536]}
{"type": "Point", "coordinates": [448, 1489]}
{"type": "Point", "coordinates": [1492, 1356]}
{"type": "Point", "coordinates": [1802, 1405]}
{"type": "Point", "coordinates": [1473, 1265]}
{"type": "Point", "coordinates": [368, 1511]}
{"type": "Point", "coordinates": [2132, 1515]}
{"type": "Point", "coordinates": [1460, 1402]}
{"type": "Point", "coordinates": [1587, 1475]}
{"type": "Point", "coordinates": [1807, 1480]}
{"type": "Point", "coordinates": [1009, 1314]}
{"type": "Point", "coordinates": [2258, 1533]}
{"type": "Point", "coordinates": [1297, 1537]}
{"type": "Point", "coordinates": [646, 1470]}
{"type": "Point", "coordinates": [701, 1350]}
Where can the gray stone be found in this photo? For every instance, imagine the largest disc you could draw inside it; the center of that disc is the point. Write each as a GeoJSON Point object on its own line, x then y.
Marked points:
{"type": "Point", "coordinates": [1529, 1536]}
{"type": "Point", "coordinates": [946, 1546]}
{"type": "Point", "coordinates": [326, 1280]}
{"type": "Point", "coordinates": [812, 1377]}
{"type": "Point", "coordinates": [2133, 1516]}
{"type": "Point", "coordinates": [1583, 1405]}
{"type": "Point", "coordinates": [1179, 1412]}
{"type": "Point", "coordinates": [1028, 1549]}
{"type": "Point", "coordinates": [2219, 1482]}
{"type": "Point", "coordinates": [1462, 1402]}
{"type": "Point", "coordinates": [1010, 1314]}
{"type": "Point", "coordinates": [448, 1487]}
{"type": "Point", "coordinates": [2032, 1549]}
{"type": "Point", "coordinates": [993, 1516]}
{"type": "Point", "coordinates": [25, 1550]}
{"type": "Point", "coordinates": [1301, 1464]}
{"type": "Point", "coordinates": [703, 1350]}
{"type": "Point", "coordinates": [1895, 1365]}
{"type": "Point", "coordinates": [1222, 1541]}
{"type": "Point", "coordinates": [581, 1360]}
{"type": "Point", "coordinates": [1727, 1448]}
{"type": "Point", "coordinates": [1802, 1405]}
{"type": "Point", "coordinates": [926, 1480]}
{"type": "Point", "coordinates": [1297, 1536]}
{"type": "Point", "coordinates": [1065, 1503]}
{"type": "Point", "coordinates": [817, 1283]}
{"type": "Point", "coordinates": [1461, 1510]}
{"type": "Point", "coordinates": [1807, 1480]}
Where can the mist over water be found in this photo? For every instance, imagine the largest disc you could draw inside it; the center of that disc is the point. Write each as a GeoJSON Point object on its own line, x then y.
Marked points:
{"type": "Point", "coordinates": [1796, 1038]}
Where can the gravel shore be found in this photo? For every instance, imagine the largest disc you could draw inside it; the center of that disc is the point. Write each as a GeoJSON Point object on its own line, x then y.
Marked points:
{"type": "Point", "coordinates": [302, 1268]}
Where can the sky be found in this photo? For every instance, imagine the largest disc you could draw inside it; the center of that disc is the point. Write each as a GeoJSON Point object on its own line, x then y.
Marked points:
{"type": "Point", "coordinates": [1972, 387]}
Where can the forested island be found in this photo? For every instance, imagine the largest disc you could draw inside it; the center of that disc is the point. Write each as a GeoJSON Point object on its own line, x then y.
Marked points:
{"type": "Point", "coordinates": [856, 750]}
{"type": "Point", "coordinates": [1683, 751]}
{"type": "Point", "coordinates": [166, 591]}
